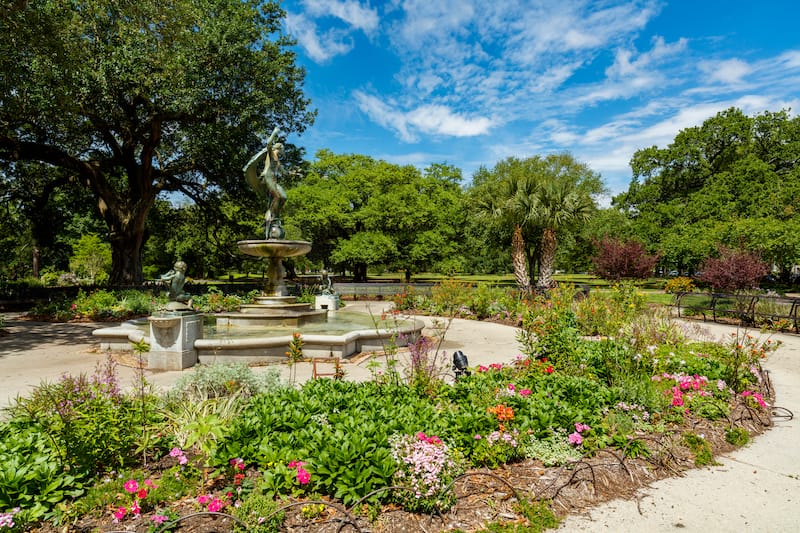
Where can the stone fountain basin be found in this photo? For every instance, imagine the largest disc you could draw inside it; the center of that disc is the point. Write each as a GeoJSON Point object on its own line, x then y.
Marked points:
{"type": "Point", "coordinates": [251, 348]}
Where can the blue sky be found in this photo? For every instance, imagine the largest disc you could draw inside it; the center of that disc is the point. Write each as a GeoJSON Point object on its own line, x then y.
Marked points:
{"type": "Point", "coordinates": [471, 82]}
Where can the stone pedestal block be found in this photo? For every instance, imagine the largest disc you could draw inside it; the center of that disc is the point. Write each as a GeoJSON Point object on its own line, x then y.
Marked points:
{"type": "Point", "coordinates": [327, 301]}
{"type": "Point", "coordinates": [172, 341]}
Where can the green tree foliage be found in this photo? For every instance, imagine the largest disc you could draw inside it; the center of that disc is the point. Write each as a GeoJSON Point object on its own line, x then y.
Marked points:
{"type": "Point", "coordinates": [536, 198]}
{"type": "Point", "coordinates": [733, 180]}
{"type": "Point", "coordinates": [133, 99]}
{"type": "Point", "coordinates": [359, 211]}
{"type": "Point", "coordinates": [91, 258]}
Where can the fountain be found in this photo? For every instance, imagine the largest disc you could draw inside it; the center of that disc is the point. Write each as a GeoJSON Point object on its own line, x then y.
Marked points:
{"type": "Point", "coordinates": [259, 332]}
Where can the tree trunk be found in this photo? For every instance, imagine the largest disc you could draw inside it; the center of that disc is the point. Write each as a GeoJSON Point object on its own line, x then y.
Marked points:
{"type": "Point", "coordinates": [126, 256]}
{"type": "Point", "coordinates": [35, 261]}
{"type": "Point", "coordinates": [519, 261]}
{"type": "Point", "coordinates": [547, 261]}
{"type": "Point", "coordinates": [408, 275]}
{"type": "Point", "coordinates": [360, 273]}
{"type": "Point", "coordinates": [126, 236]}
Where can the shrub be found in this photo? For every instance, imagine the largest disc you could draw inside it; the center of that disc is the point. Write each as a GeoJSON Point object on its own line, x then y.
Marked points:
{"type": "Point", "coordinates": [678, 285]}
{"type": "Point", "coordinates": [426, 466]}
{"type": "Point", "coordinates": [223, 379]}
{"type": "Point", "coordinates": [553, 450]}
{"type": "Point", "coordinates": [733, 270]}
{"type": "Point", "coordinates": [617, 260]}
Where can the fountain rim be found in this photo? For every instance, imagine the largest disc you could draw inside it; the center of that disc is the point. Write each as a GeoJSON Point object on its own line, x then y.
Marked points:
{"type": "Point", "coordinates": [277, 248]}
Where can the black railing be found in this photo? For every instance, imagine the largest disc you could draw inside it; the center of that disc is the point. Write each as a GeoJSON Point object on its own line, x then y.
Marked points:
{"type": "Point", "coordinates": [775, 311]}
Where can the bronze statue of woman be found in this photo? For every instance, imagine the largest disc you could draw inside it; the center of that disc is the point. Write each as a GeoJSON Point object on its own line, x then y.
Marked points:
{"type": "Point", "coordinates": [265, 183]}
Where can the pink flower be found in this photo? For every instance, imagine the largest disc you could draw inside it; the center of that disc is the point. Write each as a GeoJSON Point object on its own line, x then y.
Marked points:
{"type": "Point", "coordinates": [203, 499]}
{"type": "Point", "coordinates": [575, 439]}
{"type": "Point", "coordinates": [477, 437]}
{"type": "Point", "coordinates": [175, 452]}
{"type": "Point", "coordinates": [303, 477]}
{"type": "Point", "coordinates": [580, 428]}
{"type": "Point", "coordinates": [119, 514]}
{"type": "Point", "coordinates": [216, 505]}
{"type": "Point", "coordinates": [482, 368]}
{"type": "Point", "coordinates": [149, 483]}
{"type": "Point", "coordinates": [135, 509]}
{"type": "Point", "coordinates": [512, 387]}
{"type": "Point", "coordinates": [159, 518]}
{"type": "Point", "coordinates": [131, 486]}
{"type": "Point", "coordinates": [525, 392]}
{"type": "Point", "coordinates": [295, 464]}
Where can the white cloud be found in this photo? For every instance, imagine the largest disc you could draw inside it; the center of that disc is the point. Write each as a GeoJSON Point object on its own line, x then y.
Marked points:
{"type": "Point", "coordinates": [384, 115]}
{"type": "Point", "coordinates": [632, 73]}
{"type": "Point", "coordinates": [320, 47]}
{"type": "Point", "coordinates": [429, 119]}
{"type": "Point", "coordinates": [440, 120]}
{"type": "Point", "coordinates": [353, 13]}
{"type": "Point", "coordinates": [730, 71]}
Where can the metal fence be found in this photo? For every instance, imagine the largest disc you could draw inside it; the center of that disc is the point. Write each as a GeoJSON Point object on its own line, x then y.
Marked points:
{"type": "Point", "coordinates": [775, 311]}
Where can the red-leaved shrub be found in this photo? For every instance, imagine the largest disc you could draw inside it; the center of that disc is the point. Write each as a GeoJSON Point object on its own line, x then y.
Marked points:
{"type": "Point", "coordinates": [733, 270]}
{"type": "Point", "coordinates": [616, 260]}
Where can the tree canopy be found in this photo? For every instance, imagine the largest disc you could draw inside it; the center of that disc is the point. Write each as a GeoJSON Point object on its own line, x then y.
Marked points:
{"type": "Point", "coordinates": [733, 180]}
{"type": "Point", "coordinates": [134, 99]}
{"type": "Point", "coordinates": [359, 211]}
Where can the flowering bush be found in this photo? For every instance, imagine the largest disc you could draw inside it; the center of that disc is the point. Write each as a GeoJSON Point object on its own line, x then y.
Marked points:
{"type": "Point", "coordinates": [427, 467]}
{"type": "Point", "coordinates": [685, 389]}
{"type": "Point", "coordinates": [138, 494]}
{"type": "Point", "coordinates": [7, 519]}
{"type": "Point", "coordinates": [679, 284]}
{"type": "Point", "coordinates": [496, 448]}
{"type": "Point", "coordinates": [302, 476]}
{"type": "Point", "coordinates": [576, 437]}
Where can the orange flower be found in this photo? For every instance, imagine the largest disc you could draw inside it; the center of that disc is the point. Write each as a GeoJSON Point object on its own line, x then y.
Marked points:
{"type": "Point", "coordinates": [501, 412]}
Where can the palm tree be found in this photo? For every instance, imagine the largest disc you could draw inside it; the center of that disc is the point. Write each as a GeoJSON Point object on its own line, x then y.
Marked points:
{"type": "Point", "coordinates": [508, 201]}
{"type": "Point", "coordinates": [538, 196]}
{"type": "Point", "coordinates": [558, 203]}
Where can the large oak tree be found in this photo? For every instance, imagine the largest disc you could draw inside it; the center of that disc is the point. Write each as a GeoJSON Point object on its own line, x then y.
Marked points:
{"type": "Point", "coordinates": [733, 180]}
{"type": "Point", "coordinates": [132, 99]}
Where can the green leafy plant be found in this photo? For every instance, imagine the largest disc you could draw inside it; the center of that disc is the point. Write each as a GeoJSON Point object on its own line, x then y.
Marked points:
{"type": "Point", "coordinates": [259, 511]}
{"type": "Point", "coordinates": [553, 450]}
{"type": "Point", "coordinates": [700, 448]}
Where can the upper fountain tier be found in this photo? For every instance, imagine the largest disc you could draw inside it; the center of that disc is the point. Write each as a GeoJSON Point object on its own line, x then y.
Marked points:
{"type": "Point", "coordinates": [275, 248]}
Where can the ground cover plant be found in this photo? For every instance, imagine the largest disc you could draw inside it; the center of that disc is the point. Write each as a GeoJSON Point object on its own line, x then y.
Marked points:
{"type": "Point", "coordinates": [267, 454]}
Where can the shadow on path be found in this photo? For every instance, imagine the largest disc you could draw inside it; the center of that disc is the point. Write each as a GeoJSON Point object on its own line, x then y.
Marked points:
{"type": "Point", "coordinates": [22, 336]}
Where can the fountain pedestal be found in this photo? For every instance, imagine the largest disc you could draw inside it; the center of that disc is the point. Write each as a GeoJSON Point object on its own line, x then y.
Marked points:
{"type": "Point", "coordinates": [274, 250]}
{"type": "Point", "coordinates": [172, 337]}
{"type": "Point", "coordinates": [326, 301]}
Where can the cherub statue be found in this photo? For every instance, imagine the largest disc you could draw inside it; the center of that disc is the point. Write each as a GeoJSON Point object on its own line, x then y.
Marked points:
{"type": "Point", "coordinates": [175, 279]}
